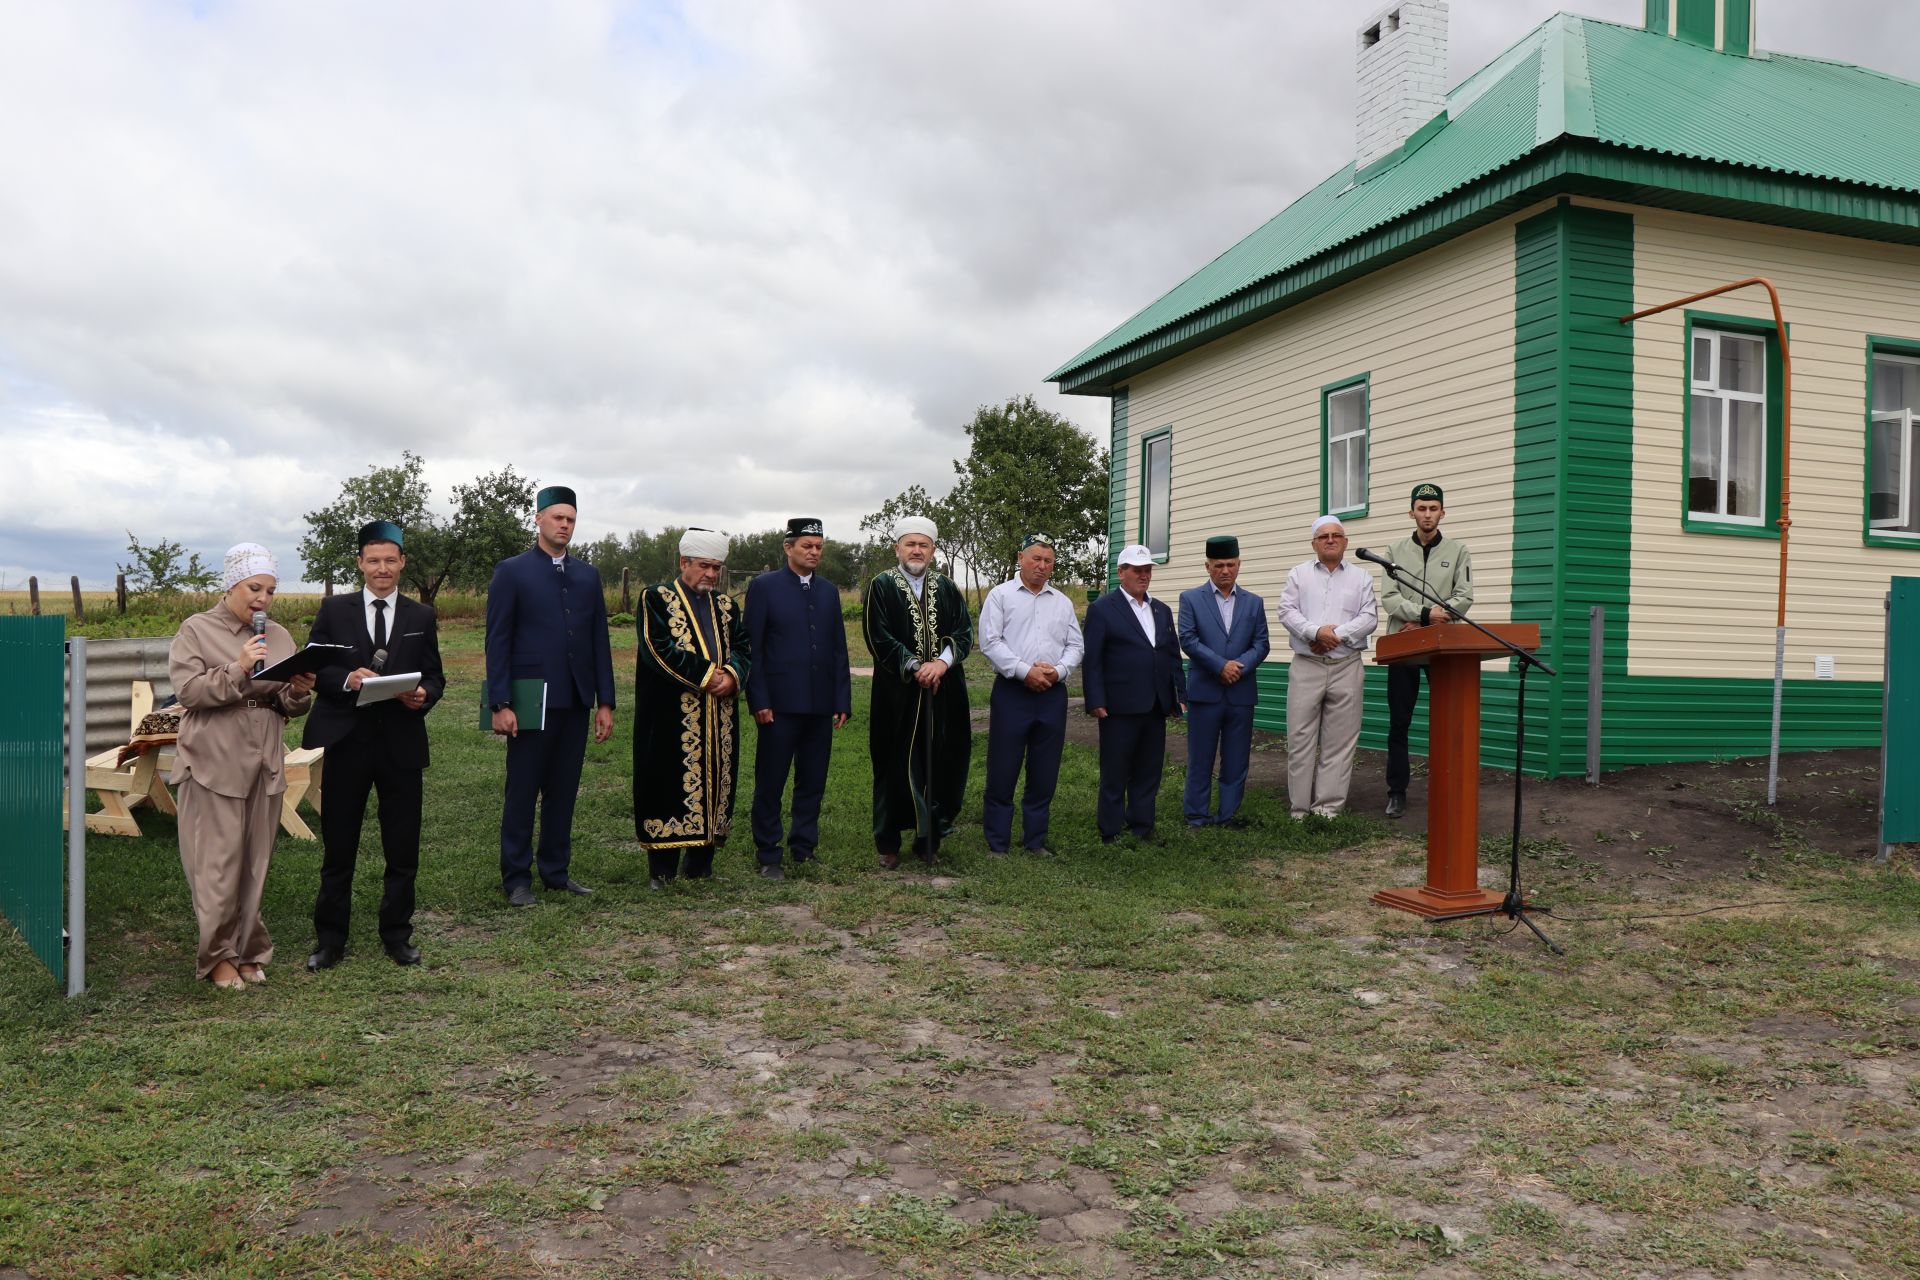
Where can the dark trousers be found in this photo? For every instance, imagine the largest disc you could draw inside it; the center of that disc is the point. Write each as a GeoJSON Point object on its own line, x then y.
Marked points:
{"type": "Point", "coordinates": [1224, 730]}
{"type": "Point", "coordinates": [357, 766]}
{"type": "Point", "coordinates": [1403, 695]}
{"type": "Point", "coordinates": [1133, 751]}
{"type": "Point", "coordinates": [542, 764]}
{"type": "Point", "coordinates": [804, 745]}
{"type": "Point", "coordinates": [664, 864]}
{"type": "Point", "coordinates": [1030, 728]}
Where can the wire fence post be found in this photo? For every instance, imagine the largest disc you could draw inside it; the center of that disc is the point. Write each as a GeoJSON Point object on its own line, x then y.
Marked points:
{"type": "Point", "coordinates": [1596, 661]}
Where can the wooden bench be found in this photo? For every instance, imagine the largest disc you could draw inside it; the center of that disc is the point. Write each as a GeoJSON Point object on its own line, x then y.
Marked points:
{"type": "Point", "coordinates": [122, 788]}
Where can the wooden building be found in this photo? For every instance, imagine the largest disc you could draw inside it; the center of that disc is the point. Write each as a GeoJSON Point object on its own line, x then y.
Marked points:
{"type": "Point", "coordinates": [1448, 308]}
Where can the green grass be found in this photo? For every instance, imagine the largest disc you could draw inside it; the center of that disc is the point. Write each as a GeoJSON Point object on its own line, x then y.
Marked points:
{"type": "Point", "coordinates": [908, 1067]}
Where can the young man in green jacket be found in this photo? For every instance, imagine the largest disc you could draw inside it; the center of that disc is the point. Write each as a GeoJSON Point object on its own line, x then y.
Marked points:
{"type": "Point", "coordinates": [1445, 568]}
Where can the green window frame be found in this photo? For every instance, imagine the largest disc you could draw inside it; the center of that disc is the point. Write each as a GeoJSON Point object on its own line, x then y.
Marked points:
{"type": "Point", "coordinates": [1692, 493]}
{"type": "Point", "coordinates": [1156, 493]}
{"type": "Point", "coordinates": [1905, 425]}
{"type": "Point", "coordinates": [1354, 489]}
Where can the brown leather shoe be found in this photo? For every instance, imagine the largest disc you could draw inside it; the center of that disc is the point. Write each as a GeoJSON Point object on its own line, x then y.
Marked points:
{"type": "Point", "coordinates": [890, 860]}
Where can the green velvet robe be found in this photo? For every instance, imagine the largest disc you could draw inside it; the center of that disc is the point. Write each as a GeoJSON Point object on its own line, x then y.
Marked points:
{"type": "Point", "coordinates": [903, 724]}
{"type": "Point", "coordinates": [686, 743]}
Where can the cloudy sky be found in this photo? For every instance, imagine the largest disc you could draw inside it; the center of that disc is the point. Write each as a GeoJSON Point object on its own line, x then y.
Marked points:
{"type": "Point", "coordinates": [716, 262]}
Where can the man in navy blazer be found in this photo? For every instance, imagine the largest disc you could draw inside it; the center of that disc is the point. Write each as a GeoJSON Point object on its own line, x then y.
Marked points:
{"type": "Point", "coordinates": [380, 747]}
{"type": "Point", "coordinates": [1133, 681]}
{"type": "Point", "coordinates": [799, 690]}
{"type": "Point", "coordinates": [1224, 631]}
{"type": "Point", "coordinates": [547, 621]}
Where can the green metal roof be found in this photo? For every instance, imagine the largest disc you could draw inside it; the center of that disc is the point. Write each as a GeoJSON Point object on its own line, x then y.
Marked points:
{"type": "Point", "coordinates": [1570, 78]}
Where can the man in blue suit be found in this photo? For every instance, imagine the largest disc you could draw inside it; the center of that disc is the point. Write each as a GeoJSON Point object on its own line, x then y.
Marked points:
{"type": "Point", "coordinates": [547, 621]}
{"type": "Point", "coordinates": [1132, 678]}
{"type": "Point", "coordinates": [799, 690]}
{"type": "Point", "coordinates": [1224, 631]}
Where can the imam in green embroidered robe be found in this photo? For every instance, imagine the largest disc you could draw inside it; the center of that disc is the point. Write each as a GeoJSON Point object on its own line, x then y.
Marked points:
{"type": "Point", "coordinates": [686, 742]}
{"type": "Point", "coordinates": [903, 723]}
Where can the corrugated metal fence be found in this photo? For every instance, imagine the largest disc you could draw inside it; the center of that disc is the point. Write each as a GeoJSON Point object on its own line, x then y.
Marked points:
{"type": "Point", "coordinates": [33, 660]}
{"type": "Point", "coordinates": [112, 667]}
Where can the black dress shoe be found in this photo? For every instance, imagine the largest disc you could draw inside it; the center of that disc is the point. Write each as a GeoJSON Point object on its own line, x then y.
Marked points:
{"type": "Point", "coordinates": [1039, 851]}
{"type": "Point", "coordinates": [325, 957]}
{"type": "Point", "coordinates": [1396, 803]}
{"type": "Point", "coordinates": [570, 885]}
{"type": "Point", "coordinates": [656, 882]}
{"type": "Point", "coordinates": [1235, 823]}
{"type": "Point", "coordinates": [403, 953]}
{"type": "Point", "coordinates": [772, 871]}
{"type": "Point", "coordinates": [521, 895]}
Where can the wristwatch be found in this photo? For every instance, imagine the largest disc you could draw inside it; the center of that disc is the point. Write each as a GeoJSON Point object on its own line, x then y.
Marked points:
{"type": "Point", "coordinates": [913, 665]}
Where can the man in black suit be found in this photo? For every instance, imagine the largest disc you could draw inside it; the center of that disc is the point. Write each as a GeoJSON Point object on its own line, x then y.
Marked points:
{"type": "Point", "coordinates": [799, 691]}
{"type": "Point", "coordinates": [1133, 682]}
{"type": "Point", "coordinates": [381, 746]}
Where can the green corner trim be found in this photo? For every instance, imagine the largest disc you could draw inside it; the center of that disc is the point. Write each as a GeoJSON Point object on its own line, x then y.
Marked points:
{"type": "Point", "coordinates": [1140, 524]}
{"type": "Point", "coordinates": [1877, 346]}
{"type": "Point", "coordinates": [1116, 486]}
{"type": "Point", "coordinates": [1769, 527]}
{"type": "Point", "coordinates": [1366, 482]}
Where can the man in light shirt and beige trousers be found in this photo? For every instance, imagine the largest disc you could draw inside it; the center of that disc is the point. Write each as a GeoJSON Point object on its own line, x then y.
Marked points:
{"type": "Point", "coordinates": [1327, 610]}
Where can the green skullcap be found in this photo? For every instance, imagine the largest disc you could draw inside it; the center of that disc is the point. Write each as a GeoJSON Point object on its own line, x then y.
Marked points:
{"type": "Point", "coordinates": [381, 531]}
{"type": "Point", "coordinates": [1223, 547]}
{"type": "Point", "coordinates": [552, 494]}
{"type": "Point", "coordinates": [1428, 493]}
{"type": "Point", "coordinates": [1036, 540]}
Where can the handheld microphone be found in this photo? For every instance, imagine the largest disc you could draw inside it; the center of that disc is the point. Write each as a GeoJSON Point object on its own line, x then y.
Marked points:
{"type": "Point", "coordinates": [379, 661]}
{"type": "Point", "coordinates": [259, 629]}
{"type": "Point", "coordinates": [1376, 558]}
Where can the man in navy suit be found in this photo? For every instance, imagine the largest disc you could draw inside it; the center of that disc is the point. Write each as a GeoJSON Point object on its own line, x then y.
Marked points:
{"type": "Point", "coordinates": [1224, 632]}
{"type": "Point", "coordinates": [799, 690]}
{"type": "Point", "coordinates": [1133, 682]}
{"type": "Point", "coordinates": [378, 747]}
{"type": "Point", "coordinates": [547, 620]}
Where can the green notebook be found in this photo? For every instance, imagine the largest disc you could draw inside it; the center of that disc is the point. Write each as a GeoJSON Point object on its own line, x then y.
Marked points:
{"type": "Point", "coordinates": [529, 705]}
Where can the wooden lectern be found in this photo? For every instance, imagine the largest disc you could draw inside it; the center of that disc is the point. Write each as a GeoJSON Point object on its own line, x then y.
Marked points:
{"type": "Point", "coordinates": [1452, 653]}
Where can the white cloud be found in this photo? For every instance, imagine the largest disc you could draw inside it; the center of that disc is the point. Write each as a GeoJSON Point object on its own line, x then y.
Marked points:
{"type": "Point", "coordinates": [715, 262]}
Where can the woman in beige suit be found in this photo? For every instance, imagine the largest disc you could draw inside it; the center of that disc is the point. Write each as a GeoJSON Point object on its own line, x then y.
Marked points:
{"type": "Point", "coordinates": [229, 764]}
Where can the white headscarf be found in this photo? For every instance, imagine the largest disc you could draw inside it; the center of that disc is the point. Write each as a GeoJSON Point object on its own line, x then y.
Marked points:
{"type": "Point", "coordinates": [704, 544]}
{"type": "Point", "coordinates": [245, 560]}
{"type": "Point", "coordinates": [915, 524]}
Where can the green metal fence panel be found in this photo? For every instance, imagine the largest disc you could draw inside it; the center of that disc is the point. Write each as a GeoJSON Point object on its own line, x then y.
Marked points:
{"type": "Point", "coordinates": [1900, 769]}
{"type": "Point", "coordinates": [32, 760]}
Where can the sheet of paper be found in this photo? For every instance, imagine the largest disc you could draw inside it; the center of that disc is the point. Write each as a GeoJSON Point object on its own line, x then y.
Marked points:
{"type": "Point", "coordinates": [380, 688]}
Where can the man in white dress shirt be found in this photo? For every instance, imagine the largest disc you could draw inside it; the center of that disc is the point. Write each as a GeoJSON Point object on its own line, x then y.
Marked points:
{"type": "Point", "coordinates": [1030, 632]}
{"type": "Point", "coordinates": [1327, 610]}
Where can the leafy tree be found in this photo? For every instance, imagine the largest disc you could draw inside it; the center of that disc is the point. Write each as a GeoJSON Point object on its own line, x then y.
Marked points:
{"type": "Point", "coordinates": [1030, 470]}
{"type": "Point", "coordinates": [397, 493]}
{"type": "Point", "coordinates": [157, 570]}
{"type": "Point", "coordinates": [492, 519]}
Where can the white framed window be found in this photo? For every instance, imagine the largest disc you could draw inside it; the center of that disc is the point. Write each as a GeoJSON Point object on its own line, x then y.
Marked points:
{"type": "Point", "coordinates": [1727, 427]}
{"type": "Point", "coordinates": [1346, 456]}
{"type": "Point", "coordinates": [1893, 450]}
{"type": "Point", "coordinates": [1156, 492]}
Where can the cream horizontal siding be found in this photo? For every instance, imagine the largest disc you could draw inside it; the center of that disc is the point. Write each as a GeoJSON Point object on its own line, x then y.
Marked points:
{"type": "Point", "coordinates": [1436, 335]}
{"type": "Point", "coordinates": [1704, 603]}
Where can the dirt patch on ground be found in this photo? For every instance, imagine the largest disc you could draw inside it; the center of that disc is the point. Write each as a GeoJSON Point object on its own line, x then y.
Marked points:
{"type": "Point", "coordinates": [1651, 823]}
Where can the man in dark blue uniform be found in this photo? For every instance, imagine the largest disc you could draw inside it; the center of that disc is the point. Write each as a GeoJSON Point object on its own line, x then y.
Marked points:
{"type": "Point", "coordinates": [547, 621]}
{"type": "Point", "coordinates": [1133, 682]}
{"type": "Point", "coordinates": [1223, 628]}
{"type": "Point", "coordinates": [799, 690]}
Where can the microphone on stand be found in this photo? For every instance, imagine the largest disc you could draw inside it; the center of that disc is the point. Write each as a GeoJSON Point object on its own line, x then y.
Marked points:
{"type": "Point", "coordinates": [259, 629]}
{"type": "Point", "coordinates": [1376, 558]}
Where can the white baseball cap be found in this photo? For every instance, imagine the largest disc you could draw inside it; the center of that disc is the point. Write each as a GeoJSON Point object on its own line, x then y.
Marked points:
{"type": "Point", "coordinates": [1136, 555]}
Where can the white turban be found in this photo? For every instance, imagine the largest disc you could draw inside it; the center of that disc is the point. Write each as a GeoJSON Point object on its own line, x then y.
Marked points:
{"type": "Point", "coordinates": [245, 560]}
{"type": "Point", "coordinates": [704, 544]}
{"type": "Point", "coordinates": [1324, 521]}
{"type": "Point", "coordinates": [915, 524]}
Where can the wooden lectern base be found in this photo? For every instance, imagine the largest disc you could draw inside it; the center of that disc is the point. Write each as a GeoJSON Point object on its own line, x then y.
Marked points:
{"type": "Point", "coordinates": [1426, 902]}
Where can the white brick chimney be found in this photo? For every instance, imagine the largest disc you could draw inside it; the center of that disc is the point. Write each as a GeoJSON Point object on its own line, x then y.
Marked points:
{"type": "Point", "coordinates": [1402, 56]}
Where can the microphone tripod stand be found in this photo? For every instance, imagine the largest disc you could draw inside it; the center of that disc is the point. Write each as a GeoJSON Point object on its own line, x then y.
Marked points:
{"type": "Point", "coordinates": [1513, 906]}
